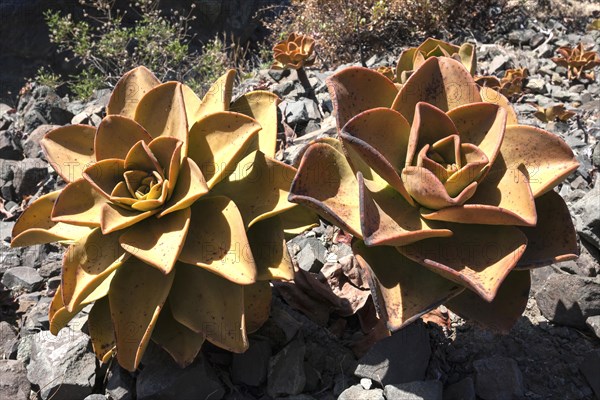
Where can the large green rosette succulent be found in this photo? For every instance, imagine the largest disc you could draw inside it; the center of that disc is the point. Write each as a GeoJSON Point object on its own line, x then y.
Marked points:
{"type": "Point", "coordinates": [450, 201]}
{"type": "Point", "coordinates": [173, 213]}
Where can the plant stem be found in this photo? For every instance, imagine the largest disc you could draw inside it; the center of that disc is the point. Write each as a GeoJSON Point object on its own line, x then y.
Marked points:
{"type": "Point", "coordinates": [308, 90]}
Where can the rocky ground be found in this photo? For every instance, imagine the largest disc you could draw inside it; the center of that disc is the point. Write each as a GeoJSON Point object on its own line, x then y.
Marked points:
{"type": "Point", "coordinates": [312, 347]}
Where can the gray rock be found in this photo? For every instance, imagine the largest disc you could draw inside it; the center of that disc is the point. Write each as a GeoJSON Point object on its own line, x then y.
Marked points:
{"type": "Point", "coordinates": [29, 174]}
{"type": "Point", "coordinates": [286, 370]}
{"type": "Point", "coordinates": [24, 348]}
{"type": "Point", "coordinates": [596, 155]}
{"type": "Point", "coordinates": [536, 40]}
{"type": "Point", "coordinates": [461, 390]}
{"type": "Point", "coordinates": [8, 340]}
{"type": "Point", "coordinates": [279, 74]}
{"type": "Point", "coordinates": [9, 258]}
{"type": "Point", "coordinates": [119, 384]}
{"type": "Point", "coordinates": [163, 379]}
{"type": "Point", "coordinates": [42, 106]}
{"type": "Point", "coordinates": [498, 378]}
{"type": "Point", "coordinates": [498, 63]}
{"type": "Point", "coordinates": [4, 108]}
{"type": "Point", "coordinates": [251, 367]}
{"type": "Point", "coordinates": [283, 88]}
{"type": "Point", "coordinates": [593, 323]}
{"type": "Point", "coordinates": [419, 390]}
{"type": "Point", "coordinates": [520, 38]}
{"type": "Point", "coordinates": [587, 221]}
{"type": "Point", "coordinates": [8, 148]}
{"type": "Point", "coordinates": [536, 85]}
{"type": "Point", "coordinates": [569, 299]}
{"type": "Point", "coordinates": [36, 319]}
{"type": "Point", "coordinates": [400, 358]}
{"type": "Point", "coordinates": [357, 392]}
{"type": "Point", "coordinates": [31, 145]}
{"type": "Point", "coordinates": [312, 110]}
{"type": "Point", "coordinates": [13, 380]}
{"type": "Point", "coordinates": [590, 368]}
{"type": "Point", "coordinates": [312, 255]}
{"type": "Point", "coordinates": [296, 113]}
{"type": "Point", "coordinates": [63, 367]}
{"type": "Point", "coordinates": [22, 278]}
{"type": "Point", "coordinates": [545, 50]}
{"type": "Point", "coordinates": [96, 397]}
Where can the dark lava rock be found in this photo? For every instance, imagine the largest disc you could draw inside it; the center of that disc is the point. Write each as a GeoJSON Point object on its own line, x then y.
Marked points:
{"type": "Point", "coordinates": [400, 358]}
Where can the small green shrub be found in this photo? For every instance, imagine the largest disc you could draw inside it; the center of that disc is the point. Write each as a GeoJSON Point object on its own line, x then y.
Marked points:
{"type": "Point", "coordinates": [47, 78]}
{"type": "Point", "coordinates": [102, 44]}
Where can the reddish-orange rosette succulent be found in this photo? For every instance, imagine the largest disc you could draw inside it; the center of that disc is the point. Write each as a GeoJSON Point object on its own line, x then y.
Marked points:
{"type": "Point", "coordinates": [297, 51]}
{"type": "Point", "coordinates": [450, 201]}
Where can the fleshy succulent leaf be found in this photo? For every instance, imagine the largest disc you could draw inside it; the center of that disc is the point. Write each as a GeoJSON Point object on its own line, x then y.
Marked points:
{"type": "Point", "coordinates": [87, 264]}
{"type": "Point", "coordinates": [208, 311]}
{"type": "Point", "coordinates": [79, 203]}
{"type": "Point", "coordinates": [116, 135]}
{"type": "Point", "coordinates": [503, 311]}
{"type": "Point", "coordinates": [136, 286]}
{"type": "Point", "coordinates": [129, 90]}
{"type": "Point", "coordinates": [429, 125]}
{"type": "Point", "coordinates": [258, 186]}
{"type": "Point", "coordinates": [190, 186]}
{"type": "Point", "coordinates": [167, 151]}
{"type": "Point", "coordinates": [490, 95]}
{"type": "Point", "coordinates": [481, 124]}
{"type": "Point", "coordinates": [503, 198]}
{"type": "Point", "coordinates": [386, 130]}
{"type": "Point", "coordinates": [218, 141]}
{"type": "Point", "coordinates": [257, 305]}
{"type": "Point", "coordinates": [101, 330]}
{"type": "Point", "coordinates": [262, 106]}
{"type": "Point", "coordinates": [548, 159]}
{"type": "Point", "coordinates": [402, 289]}
{"type": "Point", "coordinates": [427, 189]}
{"type": "Point", "coordinates": [172, 120]}
{"type": "Point", "coordinates": [270, 252]}
{"type": "Point", "coordinates": [298, 219]}
{"type": "Point", "coordinates": [158, 242]}
{"type": "Point", "coordinates": [356, 89]}
{"type": "Point", "coordinates": [326, 183]}
{"type": "Point", "coordinates": [441, 82]}
{"type": "Point", "coordinates": [217, 241]}
{"type": "Point", "coordinates": [387, 219]}
{"type": "Point", "coordinates": [216, 99]}
{"type": "Point", "coordinates": [179, 341]}
{"type": "Point", "coordinates": [35, 225]}
{"type": "Point", "coordinates": [115, 218]}
{"type": "Point", "coordinates": [553, 238]}
{"type": "Point", "coordinates": [105, 175]}
{"type": "Point", "coordinates": [58, 314]}
{"type": "Point", "coordinates": [70, 150]}
{"type": "Point", "coordinates": [476, 256]}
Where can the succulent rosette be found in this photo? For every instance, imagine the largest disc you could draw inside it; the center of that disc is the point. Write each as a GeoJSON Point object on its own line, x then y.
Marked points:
{"type": "Point", "coordinates": [413, 57]}
{"type": "Point", "coordinates": [174, 214]}
{"type": "Point", "coordinates": [449, 200]}
{"type": "Point", "coordinates": [295, 52]}
{"type": "Point", "coordinates": [577, 60]}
